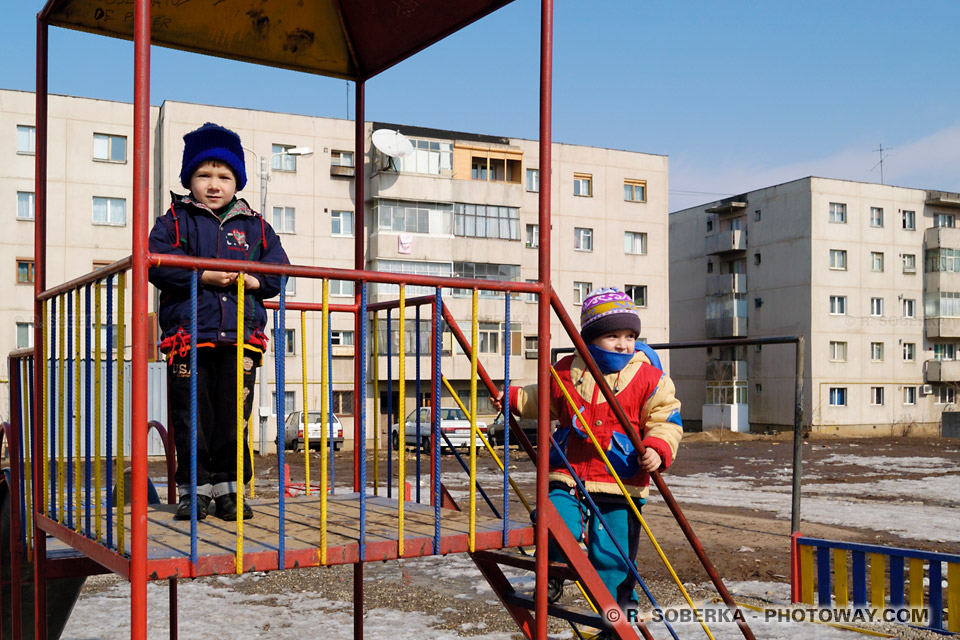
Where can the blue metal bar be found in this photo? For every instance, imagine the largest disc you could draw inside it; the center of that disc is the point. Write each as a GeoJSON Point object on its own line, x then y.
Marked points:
{"type": "Point", "coordinates": [362, 433]}
{"type": "Point", "coordinates": [280, 348]}
{"type": "Point", "coordinates": [88, 421]}
{"type": "Point", "coordinates": [333, 476]}
{"type": "Point", "coordinates": [109, 415]}
{"type": "Point", "coordinates": [630, 562]}
{"type": "Point", "coordinates": [437, 346]}
{"type": "Point", "coordinates": [859, 577]}
{"type": "Point", "coordinates": [389, 342]}
{"type": "Point", "coordinates": [896, 582]}
{"type": "Point", "coordinates": [936, 595]}
{"type": "Point", "coordinates": [872, 548]}
{"type": "Point", "coordinates": [506, 419]}
{"type": "Point", "coordinates": [70, 414]}
{"type": "Point", "coordinates": [823, 577]}
{"type": "Point", "coordinates": [51, 371]}
{"type": "Point", "coordinates": [417, 403]}
{"type": "Point", "coordinates": [466, 468]}
{"type": "Point", "coordinates": [194, 277]}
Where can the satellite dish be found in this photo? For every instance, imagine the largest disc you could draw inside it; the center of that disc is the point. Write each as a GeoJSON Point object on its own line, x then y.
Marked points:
{"type": "Point", "coordinates": [392, 143]}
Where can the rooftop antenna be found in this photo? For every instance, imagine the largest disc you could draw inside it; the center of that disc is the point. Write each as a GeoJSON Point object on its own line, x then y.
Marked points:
{"type": "Point", "coordinates": [880, 164]}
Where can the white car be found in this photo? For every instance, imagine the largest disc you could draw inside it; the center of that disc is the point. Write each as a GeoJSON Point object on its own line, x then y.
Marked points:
{"type": "Point", "coordinates": [453, 422]}
{"type": "Point", "coordinates": [293, 428]}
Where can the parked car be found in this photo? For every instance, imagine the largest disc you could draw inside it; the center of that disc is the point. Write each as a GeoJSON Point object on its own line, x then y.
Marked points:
{"type": "Point", "coordinates": [293, 431]}
{"type": "Point", "coordinates": [495, 431]}
{"type": "Point", "coordinates": [453, 422]}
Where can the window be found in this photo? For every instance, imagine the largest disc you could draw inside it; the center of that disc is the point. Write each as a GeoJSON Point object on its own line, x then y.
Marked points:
{"type": "Point", "coordinates": [635, 243]}
{"type": "Point", "coordinates": [580, 291]}
{"type": "Point", "coordinates": [876, 217]}
{"type": "Point", "coordinates": [285, 219]}
{"type": "Point", "coordinates": [709, 266]}
{"type": "Point", "coordinates": [838, 351]}
{"type": "Point", "coordinates": [24, 335]}
{"type": "Point", "coordinates": [291, 288]}
{"type": "Point", "coordinates": [533, 236]}
{"type": "Point", "coordinates": [342, 288]}
{"type": "Point", "coordinates": [341, 223]}
{"type": "Point", "coordinates": [530, 297]}
{"type": "Point", "coordinates": [709, 226]}
{"type": "Point", "coordinates": [838, 259]}
{"type": "Point", "coordinates": [280, 160]}
{"type": "Point", "coordinates": [406, 216]}
{"type": "Point", "coordinates": [582, 184]}
{"type": "Point", "coordinates": [909, 263]}
{"type": "Point", "coordinates": [412, 267]}
{"type": "Point", "coordinates": [341, 338]}
{"type": "Point", "coordinates": [946, 351]}
{"type": "Point", "coordinates": [876, 352]}
{"type": "Point", "coordinates": [343, 403]}
{"type": "Point", "coordinates": [429, 156]}
{"type": "Point", "coordinates": [533, 180]}
{"type": "Point", "coordinates": [943, 259]}
{"type": "Point", "coordinates": [109, 148]}
{"type": "Point", "coordinates": [756, 217]}
{"type": "Point", "coordinates": [582, 239]}
{"type": "Point", "coordinates": [910, 220]}
{"type": "Point", "coordinates": [909, 395]}
{"type": "Point", "coordinates": [946, 304]}
{"type": "Point", "coordinates": [341, 158]}
{"type": "Point", "coordinates": [530, 346]}
{"type": "Point", "coordinates": [876, 396]}
{"type": "Point", "coordinates": [495, 169]}
{"type": "Point", "coordinates": [756, 259]}
{"type": "Point", "coordinates": [112, 211]}
{"type": "Point", "coordinates": [25, 205]}
{"type": "Point", "coordinates": [909, 308]}
{"type": "Point", "coordinates": [635, 190]}
{"type": "Point", "coordinates": [486, 221]}
{"type": "Point", "coordinates": [838, 212]}
{"type": "Point", "coordinates": [946, 395]}
{"type": "Point", "coordinates": [876, 307]}
{"type": "Point", "coordinates": [26, 139]}
{"type": "Point", "coordinates": [488, 333]}
{"type": "Point", "coordinates": [289, 403]}
{"type": "Point", "coordinates": [909, 351]}
{"type": "Point", "coordinates": [876, 261]}
{"type": "Point", "coordinates": [838, 305]}
{"type": "Point", "coordinates": [290, 342]}
{"type": "Point", "coordinates": [944, 220]}
{"type": "Point", "coordinates": [838, 396]}
{"type": "Point", "coordinates": [637, 293]}
{"type": "Point", "coordinates": [485, 271]}
{"type": "Point", "coordinates": [25, 271]}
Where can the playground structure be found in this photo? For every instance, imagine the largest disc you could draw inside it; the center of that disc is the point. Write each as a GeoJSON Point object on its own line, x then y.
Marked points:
{"type": "Point", "coordinates": [71, 512]}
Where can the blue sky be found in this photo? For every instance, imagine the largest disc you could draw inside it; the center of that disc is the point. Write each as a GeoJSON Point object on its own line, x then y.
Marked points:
{"type": "Point", "coordinates": [739, 95]}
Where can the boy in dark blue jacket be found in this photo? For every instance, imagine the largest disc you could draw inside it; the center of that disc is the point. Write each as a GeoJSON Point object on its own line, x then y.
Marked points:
{"type": "Point", "coordinates": [211, 222]}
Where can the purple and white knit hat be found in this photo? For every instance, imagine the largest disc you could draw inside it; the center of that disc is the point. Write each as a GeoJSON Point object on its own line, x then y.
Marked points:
{"type": "Point", "coordinates": [606, 310]}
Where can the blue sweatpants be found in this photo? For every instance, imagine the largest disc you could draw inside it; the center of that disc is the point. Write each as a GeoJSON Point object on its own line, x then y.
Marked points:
{"type": "Point", "coordinates": [601, 551]}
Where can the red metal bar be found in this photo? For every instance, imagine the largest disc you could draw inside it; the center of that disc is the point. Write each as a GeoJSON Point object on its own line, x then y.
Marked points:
{"type": "Point", "coordinates": [301, 271]}
{"type": "Point", "coordinates": [39, 283]}
{"type": "Point", "coordinates": [97, 552]}
{"type": "Point", "coordinates": [543, 307]}
{"type": "Point", "coordinates": [310, 306]}
{"type": "Point", "coordinates": [138, 378]}
{"type": "Point", "coordinates": [665, 492]}
{"type": "Point", "coordinates": [13, 446]}
{"type": "Point", "coordinates": [359, 235]}
{"type": "Point", "coordinates": [100, 274]}
{"type": "Point", "coordinates": [419, 301]}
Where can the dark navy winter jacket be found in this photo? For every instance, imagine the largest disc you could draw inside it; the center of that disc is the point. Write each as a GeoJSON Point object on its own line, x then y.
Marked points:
{"type": "Point", "coordinates": [189, 228]}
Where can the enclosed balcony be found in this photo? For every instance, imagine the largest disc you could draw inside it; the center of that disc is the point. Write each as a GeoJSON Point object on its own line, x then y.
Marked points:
{"type": "Point", "coordinates": [942, 327]}
{"type": "Point", "coordinates": [726, 283]}
{"type": "Point", "coordinates": [726, 370]}
{"type": "Point", "coordinates": [937, 237]}
{"type": "Point", "coordinates": [942, 371]}
{"type": "Point", "coordinates": [726, 242]}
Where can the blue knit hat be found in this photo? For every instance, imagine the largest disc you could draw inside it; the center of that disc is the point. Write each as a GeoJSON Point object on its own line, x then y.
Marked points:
{"type": "Point", "coordinates": [212, 142]}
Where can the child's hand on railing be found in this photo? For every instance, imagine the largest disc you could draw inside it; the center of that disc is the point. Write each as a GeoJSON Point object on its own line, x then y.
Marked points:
{"type": "Point", "coordinates": [250, 283]}
{"type": "Point", "coordinates": [219, 278]}
{"type": "Point", "coordinates": [651, 460]}
{"type": "Point", "coordinates": [497, 402]}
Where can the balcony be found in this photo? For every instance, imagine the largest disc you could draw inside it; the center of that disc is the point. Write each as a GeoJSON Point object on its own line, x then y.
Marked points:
{"type": "Point", "coordinates": [728, 206]}
{"type": "Point", "coordinates": [726, 370]}
{"type": "Point", "coordinates": [726, 283]}
{"type": "Point", "coordinates": [727, 327]}
{"type": "Point", "coordinates": [942, 327]}
{"type": "Point", "coordinates": [342, 171]}
{"type": "Point", "coordinates": [937, 237]}
{"type": "Point", "coordinates": [942, 371]}
{"type": "Point", "coordinates": [943, 199]}
{"type": "Point", "coordinates": [935, 281]}
{"type": "Point", "coordinates": [726, 242]}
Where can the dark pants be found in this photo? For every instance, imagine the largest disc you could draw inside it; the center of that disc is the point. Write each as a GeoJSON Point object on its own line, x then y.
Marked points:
{"type": "Point", "coordinates": [216, 417]}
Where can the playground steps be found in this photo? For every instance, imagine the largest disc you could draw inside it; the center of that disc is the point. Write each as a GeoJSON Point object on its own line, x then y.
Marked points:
{"type": "Point", "coordinates": [576, 615]}
{"type": "Point", "coordinates": [520, 561]}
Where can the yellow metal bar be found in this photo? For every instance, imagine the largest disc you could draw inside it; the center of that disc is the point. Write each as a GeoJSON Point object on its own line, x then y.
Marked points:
{"type": "Point", "coordinates": [97, 439]}
{"type": "Point", "coordinates": [877, 580]}
{"type": "Point", "coordinates": [77, 412]}
{"type": "Point", "coordinates": [474, 344]}
{"type": "Point", "coordinates": [376, 410]}
{"type": "Point", "coordinates": [840, 577]}
{"type": "Point", "coordinates": [121, 356]}
{"type": "Point", "coordinates": [241, 302]}
{"type": "Point", "coordinates": [401, 421]}
{"type": "Point", "coordinates": [28, 458]}
{"type": "Point", "coordinates": [953, 597]}
{"type": "Point", "coordinates": [806, 574]}
{"type": "Point", "coordinates": [324, 444]}
{"type": "Point", "coordinates": [915, 596]}
{"type": "Point", "coordinates": [43, 366]}
{"type": "Point", "coordinates": [61, 413]}
{"type": "Point", "coordinates": [486, 443]}
{"type": "Point", "coordinates": [630, 502]}
{"type": "Point", "coordinates": [306, 407]}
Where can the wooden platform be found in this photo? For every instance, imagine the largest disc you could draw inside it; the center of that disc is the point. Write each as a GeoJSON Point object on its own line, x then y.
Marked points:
{"type": "Point", "coordinates": [168, 540]}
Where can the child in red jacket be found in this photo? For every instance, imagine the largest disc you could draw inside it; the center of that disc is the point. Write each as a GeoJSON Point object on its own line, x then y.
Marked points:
{"type": "Point", "coordinates": [610, 326]}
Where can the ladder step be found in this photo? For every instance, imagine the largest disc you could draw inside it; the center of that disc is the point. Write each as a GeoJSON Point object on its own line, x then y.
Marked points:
{"type": "Point", "coordinates": [509, 558]}
{"type": "Point", "coordinates": [578, 616]}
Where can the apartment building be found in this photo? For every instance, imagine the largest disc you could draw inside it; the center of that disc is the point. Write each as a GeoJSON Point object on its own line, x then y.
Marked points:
{"type": "Point", "coordinates": [460, 205]}
{"type": "Point", "coordinates": [868, 274]}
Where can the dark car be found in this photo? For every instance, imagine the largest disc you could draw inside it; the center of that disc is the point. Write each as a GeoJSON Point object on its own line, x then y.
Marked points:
{"type": "Point", "coordinates": [495, 431]}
